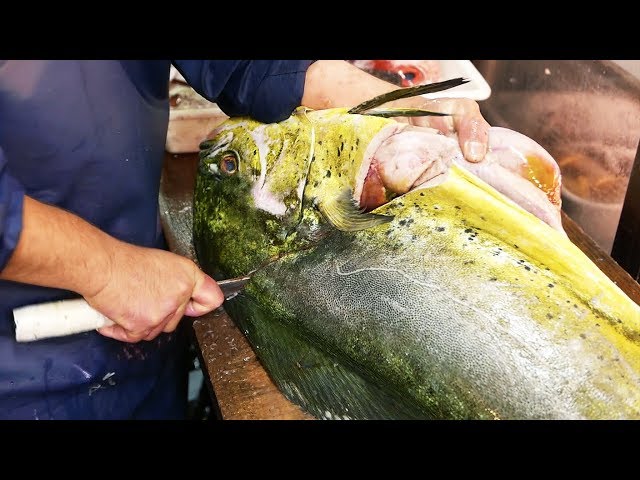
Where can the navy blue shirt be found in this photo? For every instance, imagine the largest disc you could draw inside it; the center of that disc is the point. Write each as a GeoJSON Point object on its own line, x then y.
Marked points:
{"type": "Point", "coordinates": [89, 136]}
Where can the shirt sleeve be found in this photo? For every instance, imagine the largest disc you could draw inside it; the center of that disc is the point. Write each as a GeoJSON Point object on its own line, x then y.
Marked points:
{"type": "Point", "coordinates": [11, 203]}
{"type": "Point", "coordinates": [267, 90]}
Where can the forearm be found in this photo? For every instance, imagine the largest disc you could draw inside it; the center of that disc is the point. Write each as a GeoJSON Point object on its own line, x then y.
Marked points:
{"type": "Point", "coordinates": [59, 249]}
{"type": "Point", "coordinates": [337, 83]}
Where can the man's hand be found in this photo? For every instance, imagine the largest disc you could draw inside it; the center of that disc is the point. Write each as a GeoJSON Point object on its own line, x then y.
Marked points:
{"type": "Point", "coordinates": [148, 291]}
{"type": "Point", "coordinates": [465, 121]}
{"type": "Point", "coordinates": [337, 83]}
{"type": "Point", "coordinates": [144, 290]}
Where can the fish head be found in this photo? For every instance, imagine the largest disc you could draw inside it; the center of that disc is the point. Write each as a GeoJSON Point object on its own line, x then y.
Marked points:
{"type": "Point", "coordinates": [248, 194]}
{"type": "Point", "coordinates": [265, 190]}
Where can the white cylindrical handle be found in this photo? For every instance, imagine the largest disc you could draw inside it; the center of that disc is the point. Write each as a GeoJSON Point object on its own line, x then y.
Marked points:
{"type": "Point", "coordinates": [56, 319]}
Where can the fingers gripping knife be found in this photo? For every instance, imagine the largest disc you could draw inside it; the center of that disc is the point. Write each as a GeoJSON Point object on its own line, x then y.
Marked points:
{"type": "Point", "coordinates": [66, 317]}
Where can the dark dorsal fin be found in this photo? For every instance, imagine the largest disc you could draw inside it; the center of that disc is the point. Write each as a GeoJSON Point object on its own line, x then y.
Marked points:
{"type": "Point", "coordinates": [403, 112]}
{"type": "Point", "coordinates": [408, 92]}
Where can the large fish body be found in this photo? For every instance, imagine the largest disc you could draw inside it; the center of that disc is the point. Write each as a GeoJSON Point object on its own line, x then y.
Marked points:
{"type": "Point", "coordinates": [445, 300]}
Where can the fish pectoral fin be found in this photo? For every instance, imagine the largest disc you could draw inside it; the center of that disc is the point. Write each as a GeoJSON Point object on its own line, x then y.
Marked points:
{"type": "Point", "coordinates": [343, 213]}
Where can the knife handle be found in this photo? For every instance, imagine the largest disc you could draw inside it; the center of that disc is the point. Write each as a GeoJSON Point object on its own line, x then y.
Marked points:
{"type": "Point", "coordinates": [56, 319]}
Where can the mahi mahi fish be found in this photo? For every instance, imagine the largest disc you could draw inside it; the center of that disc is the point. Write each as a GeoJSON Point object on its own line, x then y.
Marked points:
{"type": "Point", "coordinates": [391, 279]}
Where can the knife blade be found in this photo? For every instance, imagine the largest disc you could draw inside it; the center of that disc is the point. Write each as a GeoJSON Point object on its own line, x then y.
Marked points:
{"type": "Point", "coordinates": [232, 286]}
{"type": "Point", "coordinates": [67, 317]}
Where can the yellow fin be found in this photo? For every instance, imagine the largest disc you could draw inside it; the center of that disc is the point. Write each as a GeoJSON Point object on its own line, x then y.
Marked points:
{"type": "Point", "coordinates": [343, 213]}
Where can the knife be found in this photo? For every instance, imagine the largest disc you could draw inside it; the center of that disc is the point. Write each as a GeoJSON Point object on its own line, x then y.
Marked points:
{"type": "Point", "coordinates": [66, 317]}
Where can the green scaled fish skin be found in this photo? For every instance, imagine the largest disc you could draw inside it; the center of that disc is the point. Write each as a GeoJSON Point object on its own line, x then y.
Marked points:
{"type": "Point", "coordinates": [445, 302]}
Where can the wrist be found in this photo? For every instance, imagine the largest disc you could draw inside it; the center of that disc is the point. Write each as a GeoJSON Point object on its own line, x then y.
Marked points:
{"type": "Point", "coordinates": [98, 266]}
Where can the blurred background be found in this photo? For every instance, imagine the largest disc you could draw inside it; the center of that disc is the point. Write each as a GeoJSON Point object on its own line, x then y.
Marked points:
{"type": "Point", "coordinates": [586, 113]}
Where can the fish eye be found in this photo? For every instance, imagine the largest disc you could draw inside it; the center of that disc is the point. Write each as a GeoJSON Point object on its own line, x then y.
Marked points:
{"type": "Point", "coordinates": [229, 163]}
